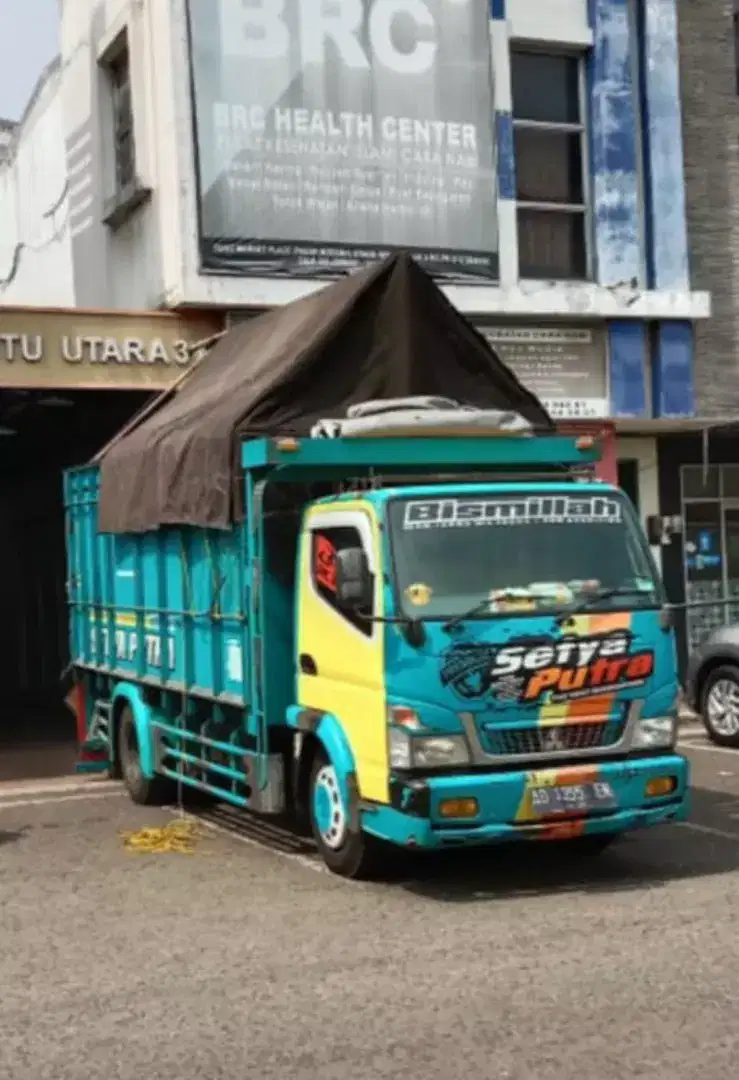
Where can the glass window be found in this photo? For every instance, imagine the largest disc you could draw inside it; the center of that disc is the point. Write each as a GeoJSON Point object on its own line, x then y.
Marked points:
{"type": "Point", "coordinates": [700, 483]}
{"type": "Point", "coordinates": [542, 551]}
{"type": "Point", "coordinates": [703, 553]}
{"type": "Point", "coordinates": [325, 542]}
{"type": "Point", "coordinates": [545, 87]}
{"type": "Point", "coordinates": [551, 245]}
{"type": "Point", "coordinates": [119, 73]}
{"type": "Point", "coordinates": [731, 525]}
{"type": "Point", "coordinates": [550, 166]}
{"type": "Point", "coordinates": [730, 481]}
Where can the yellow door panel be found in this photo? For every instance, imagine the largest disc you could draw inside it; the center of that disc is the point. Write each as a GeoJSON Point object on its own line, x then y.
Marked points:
{"type": "Point", "coordinates": [349, 657]}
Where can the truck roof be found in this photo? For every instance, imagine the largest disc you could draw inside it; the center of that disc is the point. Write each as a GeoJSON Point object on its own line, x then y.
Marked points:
{"type": "Point", "coordinates": [354, 457]}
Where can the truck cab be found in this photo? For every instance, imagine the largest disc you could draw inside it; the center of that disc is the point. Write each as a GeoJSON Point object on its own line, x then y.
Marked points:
{"type": "Point", "coordinates": [497, 659]}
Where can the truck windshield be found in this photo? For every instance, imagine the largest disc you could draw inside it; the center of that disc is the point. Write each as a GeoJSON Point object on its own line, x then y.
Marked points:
{"type": "Point", "coordinates": [531, 552]}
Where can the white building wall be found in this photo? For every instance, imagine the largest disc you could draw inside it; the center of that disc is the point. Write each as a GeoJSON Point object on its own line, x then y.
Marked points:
{"type": "Point", "coordinates": [119, 267]}
{"type": "Point", "coordinates": [564, 22]}
{"type": "Point", "coordinates": [152, 260]}
{"type": "Point", "coordinates": [643, 450]}
{"type": "Point", "coordinates": [35, 247]}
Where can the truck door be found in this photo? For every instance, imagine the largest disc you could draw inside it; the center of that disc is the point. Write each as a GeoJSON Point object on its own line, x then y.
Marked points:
{"type": "Point", "coordinates": [341, 660]}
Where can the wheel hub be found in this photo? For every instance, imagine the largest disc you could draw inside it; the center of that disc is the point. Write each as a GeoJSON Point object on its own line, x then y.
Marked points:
{"type": "Point", "coordinates": [722, 707]}
{"type": "Point", "coordinates": [328, 808]}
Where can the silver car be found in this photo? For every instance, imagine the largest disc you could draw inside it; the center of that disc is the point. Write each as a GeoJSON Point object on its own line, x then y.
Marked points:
{"type": "Point", "coordinates": [712, 685]}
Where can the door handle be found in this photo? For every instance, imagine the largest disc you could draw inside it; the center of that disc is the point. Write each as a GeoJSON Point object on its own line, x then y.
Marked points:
{"type": "Point", "coordinates": [307, 664]}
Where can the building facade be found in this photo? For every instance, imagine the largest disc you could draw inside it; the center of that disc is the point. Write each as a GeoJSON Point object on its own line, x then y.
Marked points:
{"type": "Point", "coordinates": [207, 154]}
{"type": "Point", "coordinates": [699, 470]}
{"type": "Point", "coordinates": [7, 130]}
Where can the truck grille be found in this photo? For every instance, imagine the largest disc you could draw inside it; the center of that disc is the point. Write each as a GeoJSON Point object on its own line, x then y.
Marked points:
{"type": "Point", "coordinates": [550, 740]}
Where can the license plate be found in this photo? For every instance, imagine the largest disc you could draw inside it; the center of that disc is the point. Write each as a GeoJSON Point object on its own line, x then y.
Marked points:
{"type": "Point", "coordinates": [572, 799]}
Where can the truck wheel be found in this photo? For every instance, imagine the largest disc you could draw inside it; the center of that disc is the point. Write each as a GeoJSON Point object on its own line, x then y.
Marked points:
{"type": "Point", "coordinates": [719, 705]}
{"type": "Point", "coordinates": [352, 855]}
{"type": "Point", "coordinates": [145, 791]}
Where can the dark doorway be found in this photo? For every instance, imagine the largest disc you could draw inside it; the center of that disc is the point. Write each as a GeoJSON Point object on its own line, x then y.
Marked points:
{"type": "Point", "coordinates": [40, 435]}
{"type": "Point", "coordinates": [628, 479]}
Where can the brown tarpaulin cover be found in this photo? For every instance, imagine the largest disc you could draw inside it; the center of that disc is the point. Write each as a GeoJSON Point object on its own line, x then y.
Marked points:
{"type": "Point", "coordinates": [385, 332]}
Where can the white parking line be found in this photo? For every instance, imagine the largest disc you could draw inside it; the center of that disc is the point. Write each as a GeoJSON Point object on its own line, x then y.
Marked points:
{"type": "Point", "coordinates": [691, 730]}
{"type": "Point", "coordinates": [63, 786]}
{"type": "Point", "coordinates": [316, 865]}
{"type": "Point", "coordinates": [710, 748]}
{"type": "Point", "coordinates": [709, 829]}
{"type": "Point", "coordinates": [83, 796]}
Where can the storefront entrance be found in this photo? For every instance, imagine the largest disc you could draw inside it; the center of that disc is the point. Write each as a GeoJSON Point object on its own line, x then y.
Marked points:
{"type": "Point", "coordinates": [68, 382]}
{"type": "Point", "coordinates": [48, 434]}
{"type": "Point", "coordinates": [628, 480]}
{"type": "Point", "coordinates": [710, 546]}
{"type": "Point", "coordinates": [699, 480]}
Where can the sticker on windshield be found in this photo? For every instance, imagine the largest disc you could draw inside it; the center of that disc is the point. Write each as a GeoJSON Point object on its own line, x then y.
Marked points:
{"type": "Point", "coordinates": [508, 601]}
{"type": "Point", "coordinates": [527, 510]}
{"type": "Point", "coordinates": [532, 671]}
{"type": "Point", "coordinates": [419, 594]}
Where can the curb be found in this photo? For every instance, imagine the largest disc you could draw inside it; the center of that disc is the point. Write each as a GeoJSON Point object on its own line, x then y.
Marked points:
{"type": "Point", "coordinates": [66, 785]}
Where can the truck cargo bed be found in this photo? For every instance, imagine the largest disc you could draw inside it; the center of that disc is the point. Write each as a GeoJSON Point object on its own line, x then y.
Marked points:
{"type": "Point", "coordinates": [167, 608]}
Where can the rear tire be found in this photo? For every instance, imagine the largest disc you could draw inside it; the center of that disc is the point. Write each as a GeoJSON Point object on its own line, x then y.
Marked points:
{"type": "Point", "coordinates": [719, 705]}
{"type": "Point", "coordinates": [349, 854]}
{"type": "Point", "coordinates": [144, 790]}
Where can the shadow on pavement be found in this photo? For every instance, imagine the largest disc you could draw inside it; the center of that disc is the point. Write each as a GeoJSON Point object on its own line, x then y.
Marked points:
{"type": "Point", "coordinates": [650, 858]}
{"type": "Point", "coordinates": [8, 836]}
{"type": "Point", "coordinates": [706, 845]}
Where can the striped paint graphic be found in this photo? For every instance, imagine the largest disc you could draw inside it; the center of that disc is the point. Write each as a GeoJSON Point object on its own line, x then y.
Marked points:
{"type": "Point", "coordinates": [595, 709]}
{"type": "Point", "coordinates": [592, 709]}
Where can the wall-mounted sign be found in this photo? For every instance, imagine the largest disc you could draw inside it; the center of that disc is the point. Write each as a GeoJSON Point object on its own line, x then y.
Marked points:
{"type": "Point", "coordinates": [96, 350]}
{"type": "Point", "coordinates": [328, 134]}
{"type": "Point", "coordinates": [564, 366]}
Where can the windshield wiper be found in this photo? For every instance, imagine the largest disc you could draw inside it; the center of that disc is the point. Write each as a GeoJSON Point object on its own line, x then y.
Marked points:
{"type": "Point", "coordinates": [593, 598]}
{"type": "Point", "coordinates": [484, 604]}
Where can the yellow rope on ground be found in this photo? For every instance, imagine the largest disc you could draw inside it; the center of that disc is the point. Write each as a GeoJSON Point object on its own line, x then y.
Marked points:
{"type": "Point", "coordinates": [177, 838]}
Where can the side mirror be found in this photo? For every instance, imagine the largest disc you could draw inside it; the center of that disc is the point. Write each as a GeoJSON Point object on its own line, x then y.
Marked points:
{"type": "Point", "coordinates": [660, 529]}
{"type": "Point", "coordinates": [353, 579]}
{"type": "Point", "coordinates": [655, 530]}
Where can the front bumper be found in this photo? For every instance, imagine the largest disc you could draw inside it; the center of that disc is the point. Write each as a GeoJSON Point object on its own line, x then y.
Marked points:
{"type": "Point", "coordinates": [504, 812]}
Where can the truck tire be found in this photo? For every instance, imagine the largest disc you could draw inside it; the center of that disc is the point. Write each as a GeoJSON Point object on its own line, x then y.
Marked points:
{"type": "Point", "coordinates": [349, 854]}
{"type": "Point", "coordinates": [719, 705]}
{"type": "Point", "coordinates": [145, 791]}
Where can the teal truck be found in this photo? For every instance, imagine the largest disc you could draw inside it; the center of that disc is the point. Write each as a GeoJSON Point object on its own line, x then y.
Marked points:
{"type": "Point", "coordinates": [428, 637]}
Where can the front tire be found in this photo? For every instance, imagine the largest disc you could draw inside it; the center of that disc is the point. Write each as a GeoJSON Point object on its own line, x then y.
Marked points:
{"type": "Point", "coordinates": [349, 854]}
{"type": "Point", "coordinates": [719, 705]}
{"type": "Point", "coordinates": [144, 790]}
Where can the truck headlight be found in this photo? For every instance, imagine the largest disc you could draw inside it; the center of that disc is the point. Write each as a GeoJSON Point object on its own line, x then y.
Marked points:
{"type": "Point", "coordinates": [439, 751]}
{"type": "Point", "coordinates": [657, 733]}
{"type": "Point", "coordinates": [399, 748]}
{"type": "Point", "coordinates": [408, 748]}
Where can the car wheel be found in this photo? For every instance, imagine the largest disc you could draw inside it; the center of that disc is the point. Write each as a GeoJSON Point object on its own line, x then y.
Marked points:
{"type": "Point", "coordinates": [719, 705]}
{"type": "Point", "coordinates": [349, 854]}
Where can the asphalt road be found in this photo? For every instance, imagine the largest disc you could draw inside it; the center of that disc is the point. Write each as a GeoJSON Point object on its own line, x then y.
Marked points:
{"type": "Point", "coordinates": [246, 959]}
